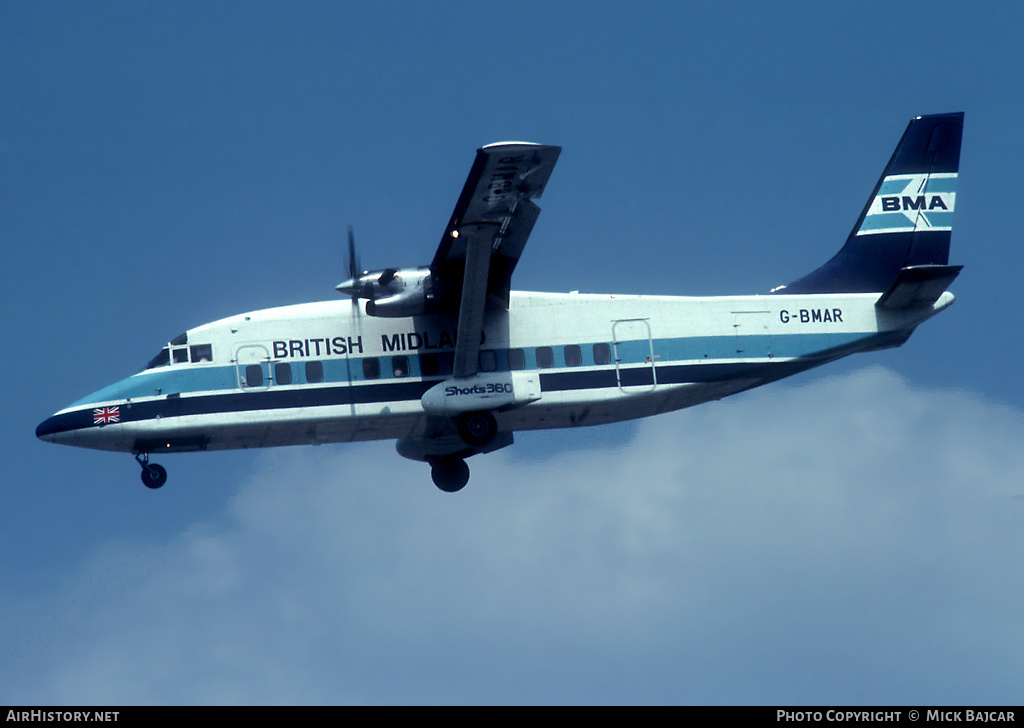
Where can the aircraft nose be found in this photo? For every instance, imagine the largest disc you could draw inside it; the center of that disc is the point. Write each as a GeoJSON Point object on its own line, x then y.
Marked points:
{"type": "Point", "coordinates": [48, 429]}
{"type": "Point", "coordinates": [53, 427]}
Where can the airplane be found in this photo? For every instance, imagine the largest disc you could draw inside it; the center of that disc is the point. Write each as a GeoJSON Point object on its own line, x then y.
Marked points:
{"type": "Point", "coordinates": [448, 361]}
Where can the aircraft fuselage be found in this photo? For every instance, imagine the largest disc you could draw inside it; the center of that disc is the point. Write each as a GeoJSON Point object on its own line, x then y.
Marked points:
{"type": "Point", "coordinates": [325, 372]}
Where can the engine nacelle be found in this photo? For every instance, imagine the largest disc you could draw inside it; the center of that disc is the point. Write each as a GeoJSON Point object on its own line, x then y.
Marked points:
{"type": "Point", "coordinates": [408, 302]}
{"type": "Point", "coordinates": [392, 292]}
{"type": "Point", "coordinates": [484, 391]}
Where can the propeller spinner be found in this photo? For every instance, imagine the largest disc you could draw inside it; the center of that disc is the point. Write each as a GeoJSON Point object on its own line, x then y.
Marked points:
{"type": "Point", "coordinates": [388, 292]}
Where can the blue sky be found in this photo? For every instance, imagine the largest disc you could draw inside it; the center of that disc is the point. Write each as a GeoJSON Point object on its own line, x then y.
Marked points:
{"type": "Point", "coordinates": [846, 536]}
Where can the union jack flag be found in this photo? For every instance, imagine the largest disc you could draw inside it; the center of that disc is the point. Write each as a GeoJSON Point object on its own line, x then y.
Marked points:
{"type": "Point", "coordinates": [106, 415]}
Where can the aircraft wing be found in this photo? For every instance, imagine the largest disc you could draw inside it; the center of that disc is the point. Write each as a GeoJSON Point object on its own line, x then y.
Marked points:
{"type": "Point", "coordinates": [473, 266]}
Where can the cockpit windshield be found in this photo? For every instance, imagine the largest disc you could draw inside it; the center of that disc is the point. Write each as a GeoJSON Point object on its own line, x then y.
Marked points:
{"type": "Point", "coordinates": [160, 360]}
{"type": "Point", "coordinates": [163, 359]}
{"type": "Point", "coordinates": [179, 352]}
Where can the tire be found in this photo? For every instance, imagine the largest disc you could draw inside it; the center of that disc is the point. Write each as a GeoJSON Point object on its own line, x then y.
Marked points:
{"type": "Point", "coordinates": [153, 476]}
{"type": "Point", "coordinates": [477, 428]}
{"type": "Point", "coordinates": [450, 474]}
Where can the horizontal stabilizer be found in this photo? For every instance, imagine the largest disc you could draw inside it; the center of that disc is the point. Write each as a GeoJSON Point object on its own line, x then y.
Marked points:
{"type": "Point", "coordinates": [919, 285]}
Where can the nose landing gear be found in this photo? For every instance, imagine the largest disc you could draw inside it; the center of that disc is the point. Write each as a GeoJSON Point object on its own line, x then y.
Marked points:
{"type": "Point", "coordinates": [153, 475]}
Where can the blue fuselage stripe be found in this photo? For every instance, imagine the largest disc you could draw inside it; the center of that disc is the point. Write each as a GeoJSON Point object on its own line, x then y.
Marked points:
{"type": "Point", "coordinates": [699, 362]}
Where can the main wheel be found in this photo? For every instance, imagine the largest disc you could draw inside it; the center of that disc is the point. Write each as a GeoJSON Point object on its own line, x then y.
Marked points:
{"type": "Point", "coordinates": [153, 475]}
{"type": "Point", "coordinates": [450, 474]}
{"type": "Point", "coordinates": [477, 428]}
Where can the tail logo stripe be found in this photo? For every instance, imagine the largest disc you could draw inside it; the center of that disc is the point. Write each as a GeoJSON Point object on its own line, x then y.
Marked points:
{"type": "Point", "coordinates": [909, 202]}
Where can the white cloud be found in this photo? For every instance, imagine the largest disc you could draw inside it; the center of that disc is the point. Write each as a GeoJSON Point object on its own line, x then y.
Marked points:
{"type": "Point", "coordinates": [852, 540]}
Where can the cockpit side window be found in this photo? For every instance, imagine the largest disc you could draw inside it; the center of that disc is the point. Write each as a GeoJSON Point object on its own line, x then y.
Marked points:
{"type": "Point", "coordinates": [202, 352]}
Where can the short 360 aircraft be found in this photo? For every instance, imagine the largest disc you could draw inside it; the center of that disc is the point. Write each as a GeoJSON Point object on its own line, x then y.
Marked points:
{"type": "Point", "coordinates": [448, 361]}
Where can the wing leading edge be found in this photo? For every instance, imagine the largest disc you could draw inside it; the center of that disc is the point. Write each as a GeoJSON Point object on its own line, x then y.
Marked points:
{"type": "Point", "coordinates": [486, 235]}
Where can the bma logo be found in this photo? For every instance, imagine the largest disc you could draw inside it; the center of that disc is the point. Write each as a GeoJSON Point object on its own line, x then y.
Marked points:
{"type": "Point", "coordinates": [906, 203]}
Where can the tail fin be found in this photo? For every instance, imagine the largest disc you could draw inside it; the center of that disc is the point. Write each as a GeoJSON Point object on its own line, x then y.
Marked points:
{"type": "Point", "coordinates": [908, 218]}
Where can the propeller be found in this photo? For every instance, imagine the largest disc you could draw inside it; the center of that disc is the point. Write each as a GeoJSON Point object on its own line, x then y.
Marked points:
{"type": "Point", "coordinates": [353, 263]}
{"type": "Point", "coordinates": [357, 286]}
{"type": "Point", "coordinates": [352, 286]}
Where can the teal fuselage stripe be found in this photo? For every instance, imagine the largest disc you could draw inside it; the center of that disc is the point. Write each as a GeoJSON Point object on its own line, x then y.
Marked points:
{"type": "Point", "coordinates": [558, 378]}
{"type": "Point", "coordinates": [188, 378]}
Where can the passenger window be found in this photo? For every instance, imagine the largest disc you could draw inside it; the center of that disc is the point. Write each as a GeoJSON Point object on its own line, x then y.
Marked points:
{"type": "Point", "coordinates": [432, 365]}
{"type": "Point", "coordinates": [314, 372]}
{"type": "Point", "coordinates": [202, 352]}
{"type": "Point", "coordinates": [488, 361]}
{"type": "Point", "coordinates": [429, 365]}
{"type": "Point", "coordinates": [180, 355]}
{"type": "Point", "coordinates": [602, 354]}
{"type": "Point", "coordinates": [254, 375]}
{"type": "Point", "coordinates": [400, 366]}
{"type": "Point", "coordinates": [446, 362]}
{"type": "Point", "coordinates": [283, 373]}
{"type": "Point", "coordinates": [516, 359]}
{"type": "Point", "coordinates": [545, 357]}
{"type": "Point", "coordinates": [371, 367]}
{"type": "Point", "coordinates": [573, 355]}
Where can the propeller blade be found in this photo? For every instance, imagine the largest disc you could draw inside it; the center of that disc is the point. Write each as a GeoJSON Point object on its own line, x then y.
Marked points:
{"type": "Point", "coordinates": [353, 263]}
{"type": "Point", "coordinates": [351, 286]}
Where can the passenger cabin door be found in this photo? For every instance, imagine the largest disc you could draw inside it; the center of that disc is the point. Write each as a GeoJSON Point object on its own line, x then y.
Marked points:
{"type": "Point", "coordinates": [252, 364]}
{"type": "Point", "coordinates": [633, 346]}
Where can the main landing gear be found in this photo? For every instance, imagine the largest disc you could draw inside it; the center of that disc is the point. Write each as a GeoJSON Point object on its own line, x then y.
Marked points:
{"type": "Point", "coordinates": [153, 475]}
{"type": "Point", "coordinates": [450, 472]}
{"type": "Point", "coordinates": [478, 430]}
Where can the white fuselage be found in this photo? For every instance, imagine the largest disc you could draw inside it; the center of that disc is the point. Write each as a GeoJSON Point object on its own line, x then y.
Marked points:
{"type": "Point", "coordinates": [327, 372]}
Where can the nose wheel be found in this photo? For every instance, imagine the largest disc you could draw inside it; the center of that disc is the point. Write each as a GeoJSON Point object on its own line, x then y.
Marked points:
{"type": "Point", "coordinates": [153, 475]}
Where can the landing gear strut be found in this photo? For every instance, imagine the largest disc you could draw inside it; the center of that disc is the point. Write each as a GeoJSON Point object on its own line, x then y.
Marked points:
{"type": "Point", "coordinates": [153, 475]}
{"type": "Point", "coordinates": [450, 474]}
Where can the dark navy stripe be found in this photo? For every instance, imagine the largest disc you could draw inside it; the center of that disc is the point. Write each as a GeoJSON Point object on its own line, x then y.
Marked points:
{"type": "Point", "coordinates": [413, 390]}
{"type": "Point", "coordinates": [243, 402]}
